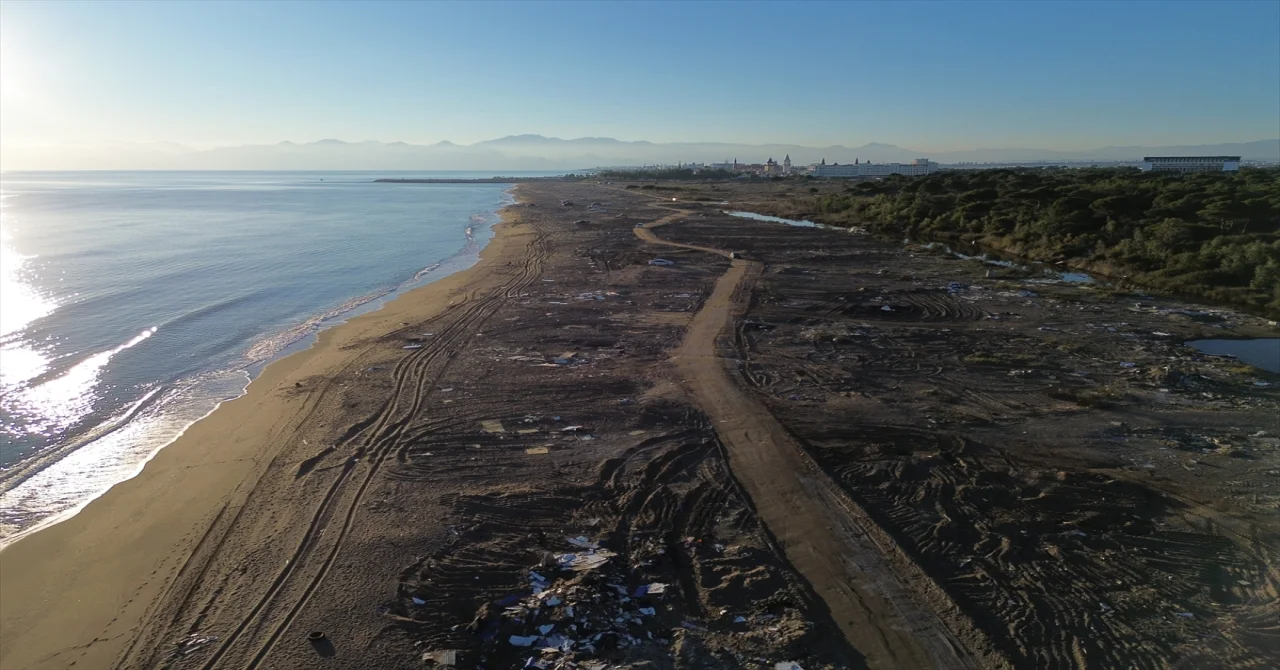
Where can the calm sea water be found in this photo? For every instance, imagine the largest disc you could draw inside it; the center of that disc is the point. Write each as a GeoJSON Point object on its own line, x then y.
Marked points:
{"type": "Point", "coordinates": [131, 304]}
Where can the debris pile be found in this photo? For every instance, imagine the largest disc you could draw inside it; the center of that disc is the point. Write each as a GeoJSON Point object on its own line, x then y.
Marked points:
{"type": "Point", "coordinates": [585, 609]}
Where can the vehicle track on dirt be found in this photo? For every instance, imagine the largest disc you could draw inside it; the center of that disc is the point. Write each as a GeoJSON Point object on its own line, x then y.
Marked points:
{"type": "Point", "coordinates": [376, 439]}
{"type": "Point", "coordinates": [820, 531]}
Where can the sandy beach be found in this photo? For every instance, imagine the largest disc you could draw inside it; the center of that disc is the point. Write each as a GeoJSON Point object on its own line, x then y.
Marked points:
{"type": "Point", "coordinates": [772, 445]}
{"type": "Point", "coordinates": [79, 591]}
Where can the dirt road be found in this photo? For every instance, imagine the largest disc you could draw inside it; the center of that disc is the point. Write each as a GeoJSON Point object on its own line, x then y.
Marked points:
{"type": "Point", "coordinates": [817, 528]}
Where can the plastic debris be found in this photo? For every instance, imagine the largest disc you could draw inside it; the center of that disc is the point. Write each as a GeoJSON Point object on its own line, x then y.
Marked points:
{"type": "Point", "coordinates": [546, 628]}
{"type": "Point", "coordinates": [1186, 615]}
{"type": "Point", "coordinates": [661, 261]}
{"type": "Point", "coordinates": [787, 665]}
{"type": "Point", "coordinates": [443, 657]}
{"type": "Point", "coordinates": [654, 589]}
{"type": "Point", "coordinates": [522, 641]}
{"type": "Point", "coordinates": [583, 542]}
{"type": "Point", "coordinates": [1127, 364]}
{"type": "Point", "coordinates": [537, 451]}
{"type": "Point", "coordinates": [419, 601]}
{"type": "Point", "coordinates": [589, 561]}
{"type": "Point", "coordinates": [194, 642]}
{"type": "Point", "coordinates": [412, 346]}
{"type": "Point", "coordinates": [648, 611]}
{"type": "Point", "coordinates": [492, 426]}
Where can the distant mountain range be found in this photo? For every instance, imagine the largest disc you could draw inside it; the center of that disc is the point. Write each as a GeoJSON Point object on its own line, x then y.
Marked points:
{"type": "Point", "coordinates": [535, 152]}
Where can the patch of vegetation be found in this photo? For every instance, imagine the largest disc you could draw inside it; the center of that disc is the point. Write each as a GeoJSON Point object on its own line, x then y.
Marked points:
{"type": "Point", "coordinates": [1209, 235]}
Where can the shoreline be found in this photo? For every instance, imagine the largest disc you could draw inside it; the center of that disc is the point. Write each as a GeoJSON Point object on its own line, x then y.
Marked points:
{"type": "Point", "coordinates": [253, 367]}
{"type": "Point", "coordinates": [118, 553]}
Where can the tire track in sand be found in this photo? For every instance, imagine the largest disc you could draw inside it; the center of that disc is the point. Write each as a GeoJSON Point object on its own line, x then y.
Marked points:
{"type": "Point", "coordinates": [412, 382]}
{"type": "Point", "coordinates": [817, 527]}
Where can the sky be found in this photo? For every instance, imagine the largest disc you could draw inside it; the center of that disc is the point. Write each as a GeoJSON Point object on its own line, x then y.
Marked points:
{"type": "Point", "coordinates": [938, 76]}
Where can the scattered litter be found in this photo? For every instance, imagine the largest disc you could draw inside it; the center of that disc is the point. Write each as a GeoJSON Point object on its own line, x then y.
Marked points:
{"type": "Point", "coordinates": [194, 642]}
{"type": "Point", "coordinates": [739, 619]}
{"type": "Point", "coordinates": [445, 657]}
{"type": "Point", "coordinates": [589, 561]}
{"type": "Point", "coordinates": [412, 346]}
{"type": "Point", "coordinates": [635, 433]}
{"type": "Point", "coordinates": [1127, 364]}
{"type": "Point", "coordinates": [419, 601]}
{"type": "Point", "coordinates": [522, 641]}
{"type": "Point", "coordinates": [527, 431]}
{"type": "Point", "coordinates": [537, 451]}
{"type": "Point", "coordinates": [648, 611]}
{"type": "Point", "coordinates": [553, 601]}
{"type": "Point", "coordinates": [787, 665]}
{"type": "Point", "coordinates": [583, 542]}
{"type": "Point", "coordinates": [1186, 615]}
{"type": "Point", "coordinates": [661, 261]}
{"type": "Point", "coordinates": [546, 628]}
{"type": "Point", "coordinates": [568, 429]}
{"type": "Point", "coordinates": [886, 308]}
{"type": "Point", "coordinates": [654, 589]}
{"type": "Point", "coordinates": [492, 426]}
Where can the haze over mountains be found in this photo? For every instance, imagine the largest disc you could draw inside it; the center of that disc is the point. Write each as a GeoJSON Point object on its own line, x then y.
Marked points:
{"type": "Point", "coordinates": [535, 152]}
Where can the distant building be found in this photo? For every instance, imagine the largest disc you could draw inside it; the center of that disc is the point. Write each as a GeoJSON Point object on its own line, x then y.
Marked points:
{"type": "Point", "coordinates": [786, 164]}
{"type": "Point", "coordinates": [916, 168]}
{"type": "Point", "coordinates": [772, 168]}
{"type": "Point", "coordinates": [1191, 163]}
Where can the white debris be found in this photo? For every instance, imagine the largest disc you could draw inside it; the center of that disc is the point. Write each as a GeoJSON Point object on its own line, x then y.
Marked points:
{"type": "Point", "coordinates": [445, 657]}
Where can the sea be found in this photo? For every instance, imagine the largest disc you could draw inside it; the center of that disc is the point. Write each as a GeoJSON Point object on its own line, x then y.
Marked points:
{"type": "Point", "coordinates": [133, 303]}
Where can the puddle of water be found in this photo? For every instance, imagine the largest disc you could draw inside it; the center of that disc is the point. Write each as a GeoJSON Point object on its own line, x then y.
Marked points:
{"type": "Point", "coordinates": [1261, 353]}
{"type": "Point", "coordinates": [773, 219]}
{"type": "Point", "coordinates": [1049, 272]}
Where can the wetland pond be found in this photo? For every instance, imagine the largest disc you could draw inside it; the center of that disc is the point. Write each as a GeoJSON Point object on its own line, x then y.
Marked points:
{"type": "Point", "coordinates": [1262, 353]}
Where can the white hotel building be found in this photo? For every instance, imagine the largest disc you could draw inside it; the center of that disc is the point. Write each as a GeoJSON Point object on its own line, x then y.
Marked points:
{"type": "Point", "coordinates": [917, 167]}
{"type": "Point", "coordinates": [1191, 163]}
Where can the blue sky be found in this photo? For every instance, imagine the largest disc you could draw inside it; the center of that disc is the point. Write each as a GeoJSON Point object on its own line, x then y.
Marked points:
{"type": "Point", "coordinates": [933, 76]}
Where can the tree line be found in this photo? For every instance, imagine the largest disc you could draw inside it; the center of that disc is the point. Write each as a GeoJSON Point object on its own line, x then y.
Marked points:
{"type": "Point", "coordinates": [1212, 235]}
